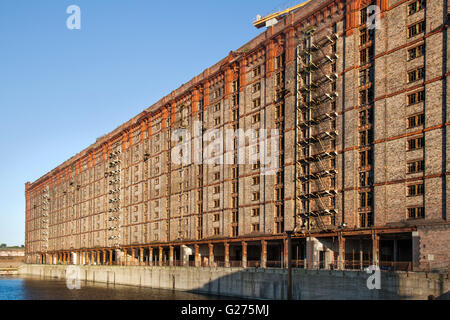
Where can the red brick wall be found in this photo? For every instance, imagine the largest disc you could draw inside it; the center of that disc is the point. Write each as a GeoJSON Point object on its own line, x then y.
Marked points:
{"type": "Point", "coordinates": [434, 246]}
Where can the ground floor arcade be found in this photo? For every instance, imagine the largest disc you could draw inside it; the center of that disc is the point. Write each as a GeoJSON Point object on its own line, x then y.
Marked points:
{"type": "Point", "coordinates": [390, 249]}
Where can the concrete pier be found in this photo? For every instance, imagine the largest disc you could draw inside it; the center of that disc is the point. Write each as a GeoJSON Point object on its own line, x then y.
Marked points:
{"type": "Point", "coordinates": [258, 283]}
{"type": "Point", "coordinates": [8, 271]}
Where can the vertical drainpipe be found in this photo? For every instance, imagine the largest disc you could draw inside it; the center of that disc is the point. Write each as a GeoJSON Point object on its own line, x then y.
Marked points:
{"type": "Point", "coordinates": [444, 108]}
{"type": "Point", "coordinates": [310, 60]}
{"type": "Point", "coordinates": [264, 178]}
{"type": "Point", "coordinates": [296, 134]}
{"type": "Point", "coordinates": [343, 113]}
{"type": "Point", "coordinates": [224, 147]}
{"type": "Point", "coordinates": [289, 264]}
{"type": "Point", "coordinates": [424, 153]}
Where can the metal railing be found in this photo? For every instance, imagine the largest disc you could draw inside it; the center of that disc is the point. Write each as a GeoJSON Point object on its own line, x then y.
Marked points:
{"type": "Point", "coordinates": [205, 264]}
{"type": "Point", "coordinates": [298, 264]}
{"type": "Point", "coordinates": [356, 264]}
{"type": "Point", "coordinates": [273, 264]}
{"type": "Point", "coordinates": [178, 263]}
{"type": "Point", "coordinates": [220, 263]}
{"type": "Point", "coordinates": [433, 266]}
{"type": "Point", "coordinates": [164, 263]}
{"type": "Point", "coordinates": [429, 266]}
{"type": "Point", "coordinates": [254, 264]}
{"type": "Point", "coordinates": [396, 266]}
{"type": "Point", "coordinates": [191, 263]}
{"type": "Point", "coordinates": [235, 263]}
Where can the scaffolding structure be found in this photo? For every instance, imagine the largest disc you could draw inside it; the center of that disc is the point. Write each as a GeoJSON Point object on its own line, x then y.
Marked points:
{"type": "Point", "coordinates": [315, 137]}
{"type": "Point", "coordinates": [114, 219]}
{"type": "Point", "coordinates": [199, 167]}
{"type": "Point", "coordinates": [182, 124]}
{"type": "Point", "coordinates": [169, 174]}
{"type": "Point", "coordinates": [45, 219]}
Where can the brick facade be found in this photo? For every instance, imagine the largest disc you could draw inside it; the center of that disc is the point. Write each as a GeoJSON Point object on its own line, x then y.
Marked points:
{"type": "Point", "coordinates": [161, 202]}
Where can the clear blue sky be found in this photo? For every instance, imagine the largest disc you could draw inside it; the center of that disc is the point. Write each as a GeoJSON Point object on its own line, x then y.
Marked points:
{"type": "Point", "coordinates": [60, 89]}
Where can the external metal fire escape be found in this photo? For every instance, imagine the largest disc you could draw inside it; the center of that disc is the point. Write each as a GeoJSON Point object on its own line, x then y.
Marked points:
{"type": "Point", "coordinates": [114, 223]}
{"type": "Point", "coordinates": [169, 175]}
{"type": "Point", "coordinates": [45, 219]}
{"type": "Point", "coordinates": [181, 124]}
{"type": "Point", "coordinates": [313, 133]}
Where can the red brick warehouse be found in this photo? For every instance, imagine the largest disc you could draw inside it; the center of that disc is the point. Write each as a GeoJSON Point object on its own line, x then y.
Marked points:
{"type": "Point", "coordinates": [363, 155]}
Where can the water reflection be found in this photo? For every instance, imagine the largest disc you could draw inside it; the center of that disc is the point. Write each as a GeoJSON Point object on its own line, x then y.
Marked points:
{"type": "Point", "coordinates": [37, 288]}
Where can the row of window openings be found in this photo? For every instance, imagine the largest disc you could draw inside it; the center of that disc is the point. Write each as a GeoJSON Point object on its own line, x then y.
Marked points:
{"type": "Point", "coordinates": [416, 143]}
{"type": "Point", "coordinates": [255, 88]}
{"type": "Point", "coordinates": [363, 15]}
{"type": "Point", "coordinates": [416, 52]}
{"type": "Point", "coordinates": [416, 97]}
{"type": "Point", "coordinates": [366, 54]}
{"type": "Point", "coordinates": [416, 29]}
{"type": "Point", "coordinates": [365, 76]}
{"type": "Point", "coordinates": [364, 140]}
{"type": "Point", "coordinates": [217, 93]}
{"type": "Point", "coordinates": [278, 63]}
{"type": "Point", "coordinates": [415, 190]}
{"type": "Point", "coordinates": [365, 137]}
{"type": "Point", "coordinates": [416, 6]}
{"type": "Point", "coordinates": [365, 35]}
{"type": "Point", "coordinates": [365, 157]}
{"type": "Point", "coordinates": [255, 228]}
{"type": "Point", "coordinates": [416, 75]}
{"type": "Point", "coordinates": [235, 86]}
{"type": "Point", "coordinates": [366, 198]}
{"type": "Point", "coordinates": [254, 213]}
{"type": "Point", "coordinates": [365, 219]}
{"type": "Point", "coordinates": [255, 197]}
{"type": "Point", "coordinates": [365, 117]}
{"type": "Point", "coordinates": [415, 166]}
{"type": "Point", "coordinates": [416, 120]}
{"type": "Point", "coordinates": [366, 96]}
{"type": "Point", "coordinates": [255, 119]}
{"type": "Point", "coordinates": [365, 180]}
{"type": "Point", "coordinates": [416, 213]}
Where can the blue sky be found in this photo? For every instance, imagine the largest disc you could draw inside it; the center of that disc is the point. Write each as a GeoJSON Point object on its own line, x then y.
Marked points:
{"type": "Point", "coordinates": [60, 89]}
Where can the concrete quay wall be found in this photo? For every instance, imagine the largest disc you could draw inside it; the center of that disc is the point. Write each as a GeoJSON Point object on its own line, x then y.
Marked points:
{"type": "Point", "coordinates": [255, 282]}
{"type": "Point", "coordinates": [8, 271]}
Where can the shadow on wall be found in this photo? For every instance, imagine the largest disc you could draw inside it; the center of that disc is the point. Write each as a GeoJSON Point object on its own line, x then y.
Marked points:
{"type": "Point", "coordinates": [326, 285]}
{"type": "Point", "coordinates": [259, 283]}
{"type": "Point", "coordinates": [445, 296]}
